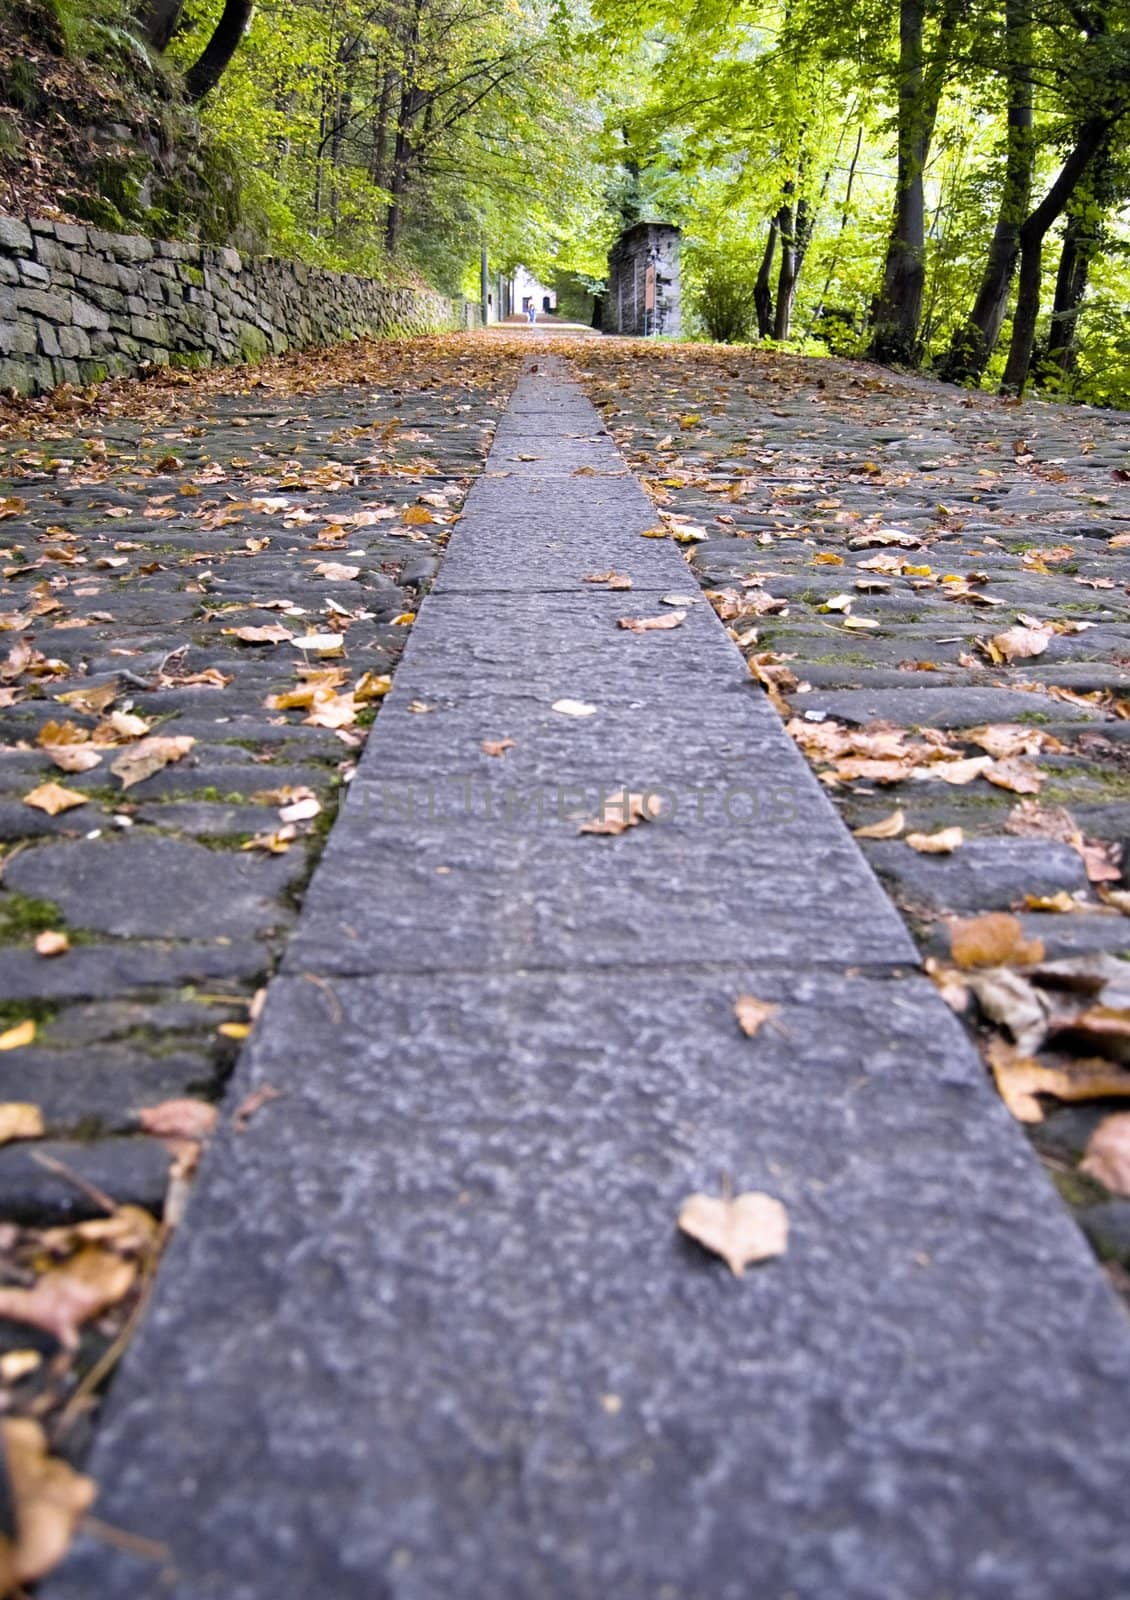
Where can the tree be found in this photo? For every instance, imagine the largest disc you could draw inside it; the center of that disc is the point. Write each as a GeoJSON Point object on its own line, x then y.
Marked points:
{"type": "Point", "coordinates": [210, 66]}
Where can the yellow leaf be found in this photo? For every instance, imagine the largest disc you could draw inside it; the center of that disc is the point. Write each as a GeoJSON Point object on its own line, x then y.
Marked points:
{"type": "Point", "coordinates": [404, 619]}
{"type": "Point", "coordinates": [746, 1228]}
{"type": "Point", "coordinates": [753, 1014]}
{"type": "Point", "coordinates": [654, 533]}
{"type": "Point", "coordinates": [51, 942]}
{"type": "Point", "coordinates": [20, 1120]}
{"type": "Point", "coordinates": [54, 798]}
{"type": "Point", "coordinates": [15, 1038]}
{"type": "Point", "coordinates": [991, 941]}
{"type": "Point", "coordinates": [49, 1498]}
{"type": "Point", "coordinates": [887, 828]}
{"type": "Point", "coordinates": [234, 1030]}
{"type": "Point", "coordinates": [418, 516]}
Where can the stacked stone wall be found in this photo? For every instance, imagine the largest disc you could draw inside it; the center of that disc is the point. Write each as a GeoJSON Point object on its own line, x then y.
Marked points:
{"type": "Point", "coordinates": [78, 305]}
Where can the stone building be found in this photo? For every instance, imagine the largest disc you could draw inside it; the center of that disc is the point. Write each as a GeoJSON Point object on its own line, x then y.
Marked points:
{"type": "Point", "coordinates": [643, 282]}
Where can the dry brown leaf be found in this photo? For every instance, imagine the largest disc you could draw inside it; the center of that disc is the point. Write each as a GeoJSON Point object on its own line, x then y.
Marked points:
{"type": "Point", "coordinates": [670, 619]}
{"type": "Point", "coordinates": [1016, 775]}
{"type": "Point", "coordinates": [753, 1014]}
{"type": "Point", "coordinates": [1103, 1028]}
{"type": "Point", "coordinates": [20, 1120]}
{"type": "Point", "coordinates": [1107, 1158]}
{"type": "Point", "coordinates": [73, 757]}
{"type": "Point", "coordinates": [51, 942]}
{"type": "Point", "coordinates": [93, 700]}
{"type": "Point", "coordinates": [991, 941]}
{"type": "Point", "coordinates": [610, 579]}
{"type": "Point", "coordinates": [49, 1499]}
{"type": "Point", "coordinates": [1020, 1080]}
{"type": "Point", "coordinates": [1017, 644]}
{"type": "Point", "coordinates": [65, 1297]}
{"type": "Point", "coordinates": [142, 760]}
{"type": "Point", "coordinates": [418, 516]}
{"type": "Point", "coordinates": [1012, 1003]}
{"type": "Point", "coordinates": [16, 1037]}
{"type": "Point", "coordinates": [496, 747]}
{"type": "Point", "coordinates": [1003, 739]}
{"type": "Point", "coordinates": [887, 828]}
{"type": "Point", "coordinates": [622, 811]}
{"type": "Point", "coordinates": [336, 571]}
{"type": "Point", "coordinates": [957, 772]}
{"type": "Point", "coordinates": [741, 1229]}
{"type": "Point", "coordinates": [942, 843]}
{"type": "Point", "coordinates": [178, 1119]}
{"type": "Point", "coordinates": [54, 799]}
{"type": "Point", "coordinates": [270, 633]}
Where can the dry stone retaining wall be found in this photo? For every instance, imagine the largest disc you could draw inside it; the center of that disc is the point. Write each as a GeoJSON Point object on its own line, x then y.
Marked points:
{"type": "Point", "coordinates": [77, 304]}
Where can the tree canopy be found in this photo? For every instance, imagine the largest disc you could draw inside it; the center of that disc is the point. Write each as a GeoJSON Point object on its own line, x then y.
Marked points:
{"type": "Point", "coordinates": [939, 184]}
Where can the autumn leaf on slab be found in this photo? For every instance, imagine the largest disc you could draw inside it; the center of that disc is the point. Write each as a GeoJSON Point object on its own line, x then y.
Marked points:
{"type": "Point", "coordinates": [887, 828]}
{"type": "Point", "coordinates": [1016, 644]}
{"type": "Point", "coordinates": [496, 747]}
{"type": "Point", "coordinates": [323, 644]}
{"type": "Point", "coordinates": [943, 843]}
{"type": "Point", "coordinates": [17, 1036]}
{"type": "Point", "coordinates": [48, 1499]}
{"type": "Point", "coordinates": [573, 708]}
{"type": "Point", "coordinates": [1013, 1003]}
{"type": "Point", "coordinates": [1004, 739]}
{"type": "Point", "coordinates": [1020, 1081]}
{"type": "Point", "coordinates": [51, 942]}
{"type": "Point", "coordinates": [270, 633]}
{"type": "Point", "coordinates": [20, 1120]}
{"type": "Point", "coordinates": [622, 811]}
{"type": "Point", "coordinates": [74, 757]}
{"type": "Point", "coordinates": [253, 1102]}
{"type": "Point", "coordinates": [611, 580]}
{"type": "Point", "coordinates": [672, 619]}
{"type": "Point", "coordinates": [142, 760]}
{"type": "Point", "coordinates": [336, 572]}
{"type": "Point", "coordinates": [301, 810]}
{"type": "Point", "coordinates": [1107, 1157]}
{"type": "Point", "coordinates": [372, 686]}
{"type": "Point", "coordinates": [753, 1014]}
{"type": "Point", "coordinates": [958, 773]}
{"type": "Point", "coordinates": [418, 516]}
{"type": "Point", "coordinates": [67, 1296]}
{"type": "Point", "coordinates": [741, 1229]}
{"type": "Point", "coordinates": [1016, 775]}
{"type": "Point", "coordinates": [1105, 1029]}
{"type": "Point", "coordinates": [178, 1119]}
{"type": "Point", "coordinates": [653, 533]}
{"type": "Point", "coordinates": [992, 940]}
{"type": "Point", "coordinates": [54, 799]}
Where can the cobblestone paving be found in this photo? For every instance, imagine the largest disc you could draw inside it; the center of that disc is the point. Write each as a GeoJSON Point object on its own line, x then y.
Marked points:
{"type": "Point", "coordinates": [866, 536]}
{"type": "Point", "coordinates": [177, 556]}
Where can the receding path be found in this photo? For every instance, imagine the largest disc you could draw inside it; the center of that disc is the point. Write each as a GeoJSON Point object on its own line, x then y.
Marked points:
{"type": "Point", "coordinates": [430, 1332]}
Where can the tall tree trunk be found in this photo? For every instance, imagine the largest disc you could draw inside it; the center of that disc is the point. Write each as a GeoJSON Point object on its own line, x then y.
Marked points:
{"type": "Point", "coordinates": [1082, 239]}
{"type": "Point", "coordinates": [1033, 231]}
{"type": "Point", "coordinates": [409, 106]}
{"type": "Point", "coordinates": [159, 19]}
{"type": "Point", "coordinates": [898, 307]}
{"type": "Point", "coordinates": [786, 274]}
{"type": "Point", "coordinates": [975, 342]}
{"type": "Point", "coordinates": [762, 289]}
{"type": "Point", "coordinates": [378, 168]}
{"type": "Point", "coordinates": [207, 70]}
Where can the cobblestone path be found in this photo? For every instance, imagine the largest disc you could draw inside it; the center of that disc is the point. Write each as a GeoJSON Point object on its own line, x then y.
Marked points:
{"type": "Point", "coordinates": [429, 1328]}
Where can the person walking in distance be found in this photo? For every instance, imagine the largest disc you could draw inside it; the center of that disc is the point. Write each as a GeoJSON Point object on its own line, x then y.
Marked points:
{"type": "Point", "coordinates": [532, 313]}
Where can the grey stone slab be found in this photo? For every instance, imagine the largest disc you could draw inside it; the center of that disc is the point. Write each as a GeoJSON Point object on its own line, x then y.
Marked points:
{"type": "Point", "coordinates": [150, 887]}
{"type": "Point", "coordinates": [130, 1171]}
{"type": "Point", "coordinates": [984, 875]}
{"type": "Point", "coordinates": [492, 556]}
{"type": "Point", "coordinates": [95, 970]}
{"type": "Point", "coordinates": [100, 1086]}
{"type": "Point", "coordinates": [457, 1348]}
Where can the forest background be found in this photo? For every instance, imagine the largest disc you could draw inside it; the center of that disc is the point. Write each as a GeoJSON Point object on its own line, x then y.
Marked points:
{"type": "Point", "coordinates": [940, 184]}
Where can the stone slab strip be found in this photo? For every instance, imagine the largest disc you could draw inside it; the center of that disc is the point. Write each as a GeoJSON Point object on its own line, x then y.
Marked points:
{"type": "Point", "coordinates": [430, 1332]}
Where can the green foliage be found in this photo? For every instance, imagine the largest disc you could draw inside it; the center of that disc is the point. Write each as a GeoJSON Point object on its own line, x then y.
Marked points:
{"type": "Point", "coordinates": [723, 300]}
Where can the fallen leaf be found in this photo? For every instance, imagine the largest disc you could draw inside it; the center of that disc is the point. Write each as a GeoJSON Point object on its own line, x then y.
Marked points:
{"type": "Point", "coordinates": [611, 580]}
{"type": "Point", "coordinates": [51, 942]}
{"type": "Point", "coordinates": [1016, 775]}
{"type": "Point", "coordinates": [573, 708]}
{"type": "Point", "coordinates": [323, 644]}
{"type": "Point", "coordinates": [270, 633]}
{"type": "Point", "coordinates": [17, 1364]}
{"type": "Point", "coordinates": [622, 811]}
{"type": "Point", "coordinates": [20, 1120]}
{"type": "Point", "coordinates": [67, 1296]}
{"type": "Point", "coordinates": [1013, 1003]}
{"type": "Point", "coordinates": [673, 619]}
{"type": "Point", "coordinates": [73, 757]}
{"type": "Point", "coordinates": [1102, 1028]}
{"type": "Point", "coordinates": [15, 1038]}
{"type": "Point", "coordinates": [301, 810]}
{"type": "Point", "coordinates": [741, 1229]}
{"type": "Point", "coordinates": [653, 533]}
{"type": "Point", "coordinates": [148, 756]}
{"type": "Point", "coordinates": [992, 940]}
{"type": "Point", "coordinates": [1107, 1157]}
{"type": "Point", "coordinates": [753, 1014]}
{"type": "Point", "coordinates": [1020, 1081]}
{"type": "Point", "coordinates": [48, 1500]}
{"type": "Point", "coordinates": [496, 747]}
{"type": "Point", "coordinates": [1017, 644]}
{"type": "Point", "coordinates": [336, 572]}
{"type": "Point", "coordinates": [178, 1119]}
{"type": "Point", "coordinates": [943, 843]}
{"type": "Point", "coordinates": [54, 798]}
{"type": "Point", "coordinates": [417, 516]}
{"type": "Point", "coordinates": [887, 828]}
{"type": "Point", "coordinates": [957, 772]}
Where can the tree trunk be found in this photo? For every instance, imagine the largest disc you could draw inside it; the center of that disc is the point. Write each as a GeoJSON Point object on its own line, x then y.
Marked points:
{"type": "Point", "coordinates": [1082, 239]}
{"type": "Point", "coordinates": [206, 72]}
{"type": "Point", "coordinates": [786, 275]}
{"type": "Point", "coordinates": [378, 169]}
{"type": "Point", "coordinates": [762, 289]}
{"type": "Point", "coordinates": [159, 19]}
{"type": "Point", "coordinates": [974, 343]}
{"type": "Point", "coordinates": [1032, 234]}
{"type": "Point", "coordinates": [898, 308]}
